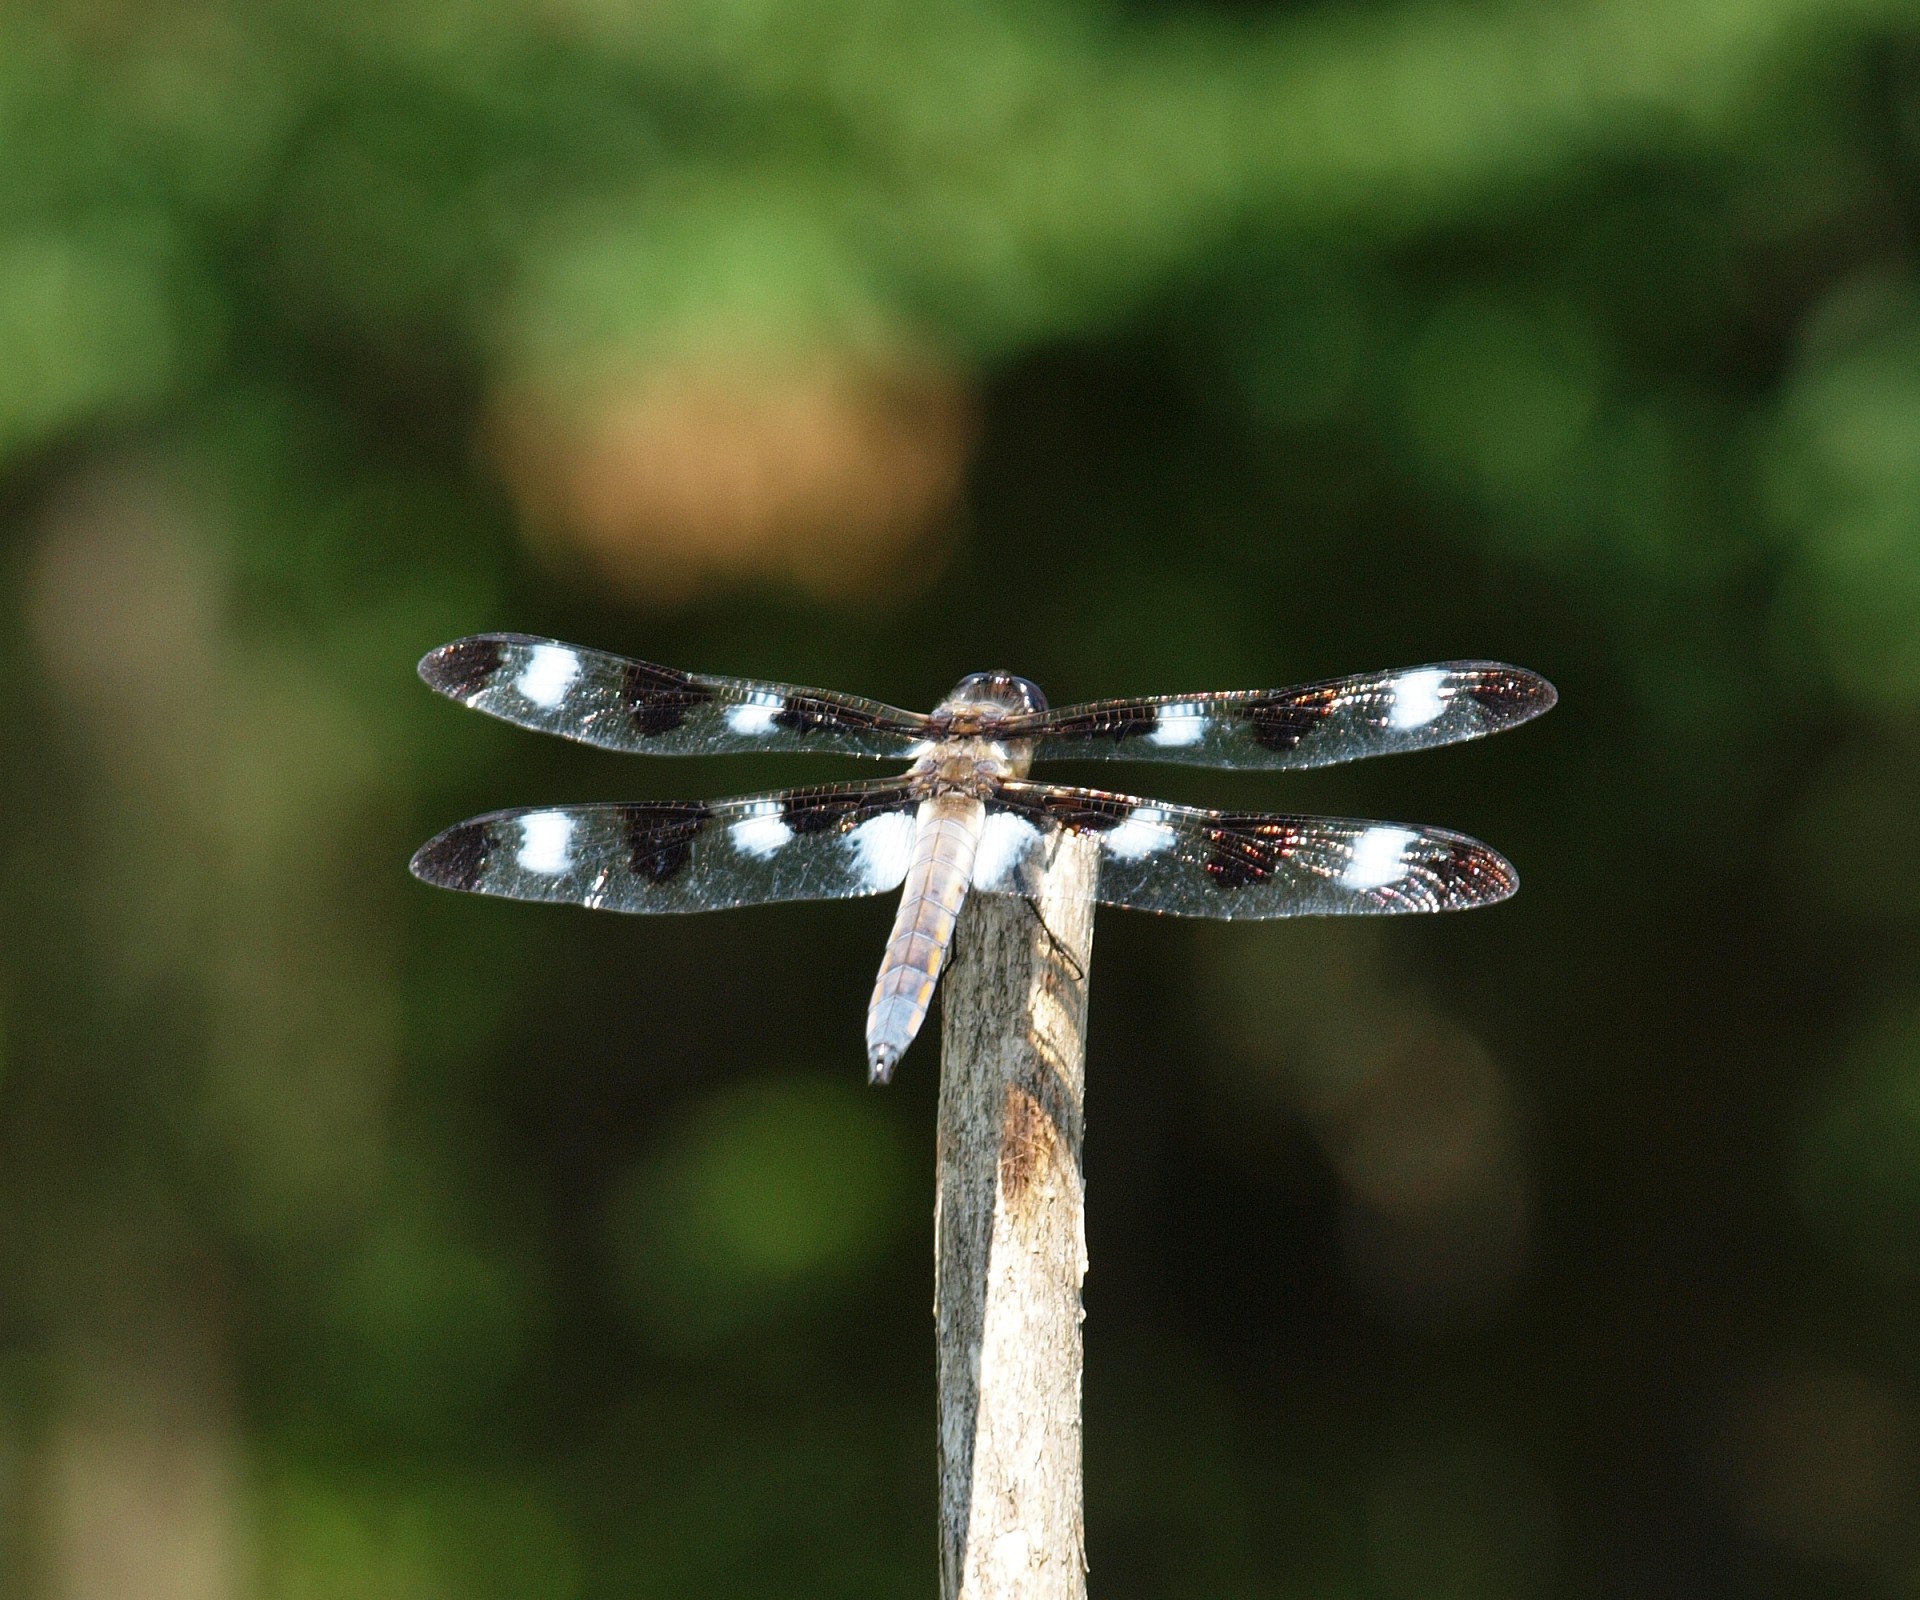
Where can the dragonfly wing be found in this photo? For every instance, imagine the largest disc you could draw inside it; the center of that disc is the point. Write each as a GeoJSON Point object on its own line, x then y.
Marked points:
{"type": "Point", "coordinates": [823, 843]}
{"type": "Point", "coordinates": [1237, 864]}
{"type": "Point", "coordinates": [606, 700]}
{"type": "Point", "coordinates": [1314, 725]}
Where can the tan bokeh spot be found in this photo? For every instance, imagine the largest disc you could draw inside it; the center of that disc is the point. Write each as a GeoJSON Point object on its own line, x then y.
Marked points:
{"type": "Point", "coordinates": [831, 474]}
{"type": "Point", "coordinates": [1821, 1460]}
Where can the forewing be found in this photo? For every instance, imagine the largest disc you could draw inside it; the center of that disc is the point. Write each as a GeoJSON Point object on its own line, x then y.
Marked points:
{"type": "Point", "coordinates": [1231, 864]}
{"type": "Point", "coordinates": [1314, 725]}
{"type": "Point", "coordinates": [617, 704]}
{"type": "Point", "coordinates": [823, 843]}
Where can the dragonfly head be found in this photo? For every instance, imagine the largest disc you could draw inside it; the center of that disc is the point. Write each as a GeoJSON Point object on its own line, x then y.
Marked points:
{"type": "Point", "coordinates": [1008, 691]}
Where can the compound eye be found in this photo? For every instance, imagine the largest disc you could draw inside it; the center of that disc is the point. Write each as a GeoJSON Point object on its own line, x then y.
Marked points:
{"type": "Point", "coordinates": [1003, 689]}
{"type": "Point", "coordinates": [1025, 693]}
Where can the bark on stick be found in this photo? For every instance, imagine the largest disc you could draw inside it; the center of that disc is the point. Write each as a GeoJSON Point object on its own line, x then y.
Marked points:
{"type": "Point", "coordinates": [1010, 1240]}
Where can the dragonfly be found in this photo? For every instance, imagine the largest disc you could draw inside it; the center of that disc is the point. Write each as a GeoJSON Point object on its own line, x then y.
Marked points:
{"type": "Point", "coordinates": [965, 817]}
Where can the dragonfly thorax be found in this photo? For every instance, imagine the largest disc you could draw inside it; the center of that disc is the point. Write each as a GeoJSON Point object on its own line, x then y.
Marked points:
{"type": "Point", "coordinates": [969, 766]}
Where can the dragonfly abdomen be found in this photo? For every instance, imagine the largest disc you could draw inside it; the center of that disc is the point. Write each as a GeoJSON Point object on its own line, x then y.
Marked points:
{"type": "Point", "coordinates": [945, 838]}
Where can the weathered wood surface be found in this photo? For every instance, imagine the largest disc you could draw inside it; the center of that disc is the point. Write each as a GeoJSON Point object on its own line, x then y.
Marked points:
{"type": "Point", "coordinates": [1010, 1240]}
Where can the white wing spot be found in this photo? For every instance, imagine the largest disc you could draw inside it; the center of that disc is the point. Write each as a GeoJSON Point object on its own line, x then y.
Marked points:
{"type": "Point", "coordinates": [883, 846]}
{"type": "Point", "coordinates": [754, 717]}
{"type": "Point", "coordinates": [548, 675]}
{"type": "Point", "coordinates": [1144, 833]}
{"type": "Point", "coordinates": [1004, 843]}
{"type": "Point", "coordinates": [761, 833]}
{"type": "Point", "coordinates": [546, 842]}
{"type": "Point", "coordinates": [1416, 699]}
{"type": "Point", "coordinates": [1182, 723]}
{"type": "Point", "coordinates": [1378, 856]}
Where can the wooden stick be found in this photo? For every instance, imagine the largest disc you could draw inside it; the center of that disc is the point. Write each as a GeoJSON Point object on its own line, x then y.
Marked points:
{"type": "Point", "coordinates": [1010, 1239]}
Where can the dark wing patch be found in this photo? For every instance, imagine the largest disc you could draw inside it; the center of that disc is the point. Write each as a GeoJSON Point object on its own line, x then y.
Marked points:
{"type": "Point", "coordinates": [456, 859]}
{"type": "Point", "coordinates": [660, 836]}
{"type": "Point", "coordinates": [684, 856]}
{"type": "Point", "coordinates": [1115, 720]}
{"type": "Point", "coordinates": [1278, 722]}
{"type": "Point", "coordinates": [462, 669]}
{"type": "Point", "coordinates": [617, 704]}
{"type": "Point", "coordinates": [1315, 725]}
{"type": "Point", "coordinates": [1511, 696]}
{"type": "Point", "coordinates": [657, 700]}
{"type": "Point", "coordinates": [1238, 856]}
{"type": "Point", "coordinates": [806, 712]}
{"type": "Point", "coordinates": [1083, 810]}
{"type": "Point", "coordinates": [1231, 864]}
{"type": "Point", "coordinates": [828, 807]}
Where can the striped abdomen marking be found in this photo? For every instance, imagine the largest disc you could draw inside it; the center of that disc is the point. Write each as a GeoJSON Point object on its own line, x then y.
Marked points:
{"type": "Point", "coordinates": [944, 841]}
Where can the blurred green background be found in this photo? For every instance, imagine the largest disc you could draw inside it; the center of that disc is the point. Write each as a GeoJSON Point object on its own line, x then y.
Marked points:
{"type": "Point", "coordinates": [361, 1242]}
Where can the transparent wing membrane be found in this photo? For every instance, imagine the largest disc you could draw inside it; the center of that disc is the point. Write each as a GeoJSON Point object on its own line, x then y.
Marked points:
{"type": "Point", "coordinates": [1314, 725]}
{"type": "Point", "coordinates": [1237, 864]}
{"type": "Point", "coordinates": [617, 704]}
{"type": "Point", "coordinates": [824, 843]}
